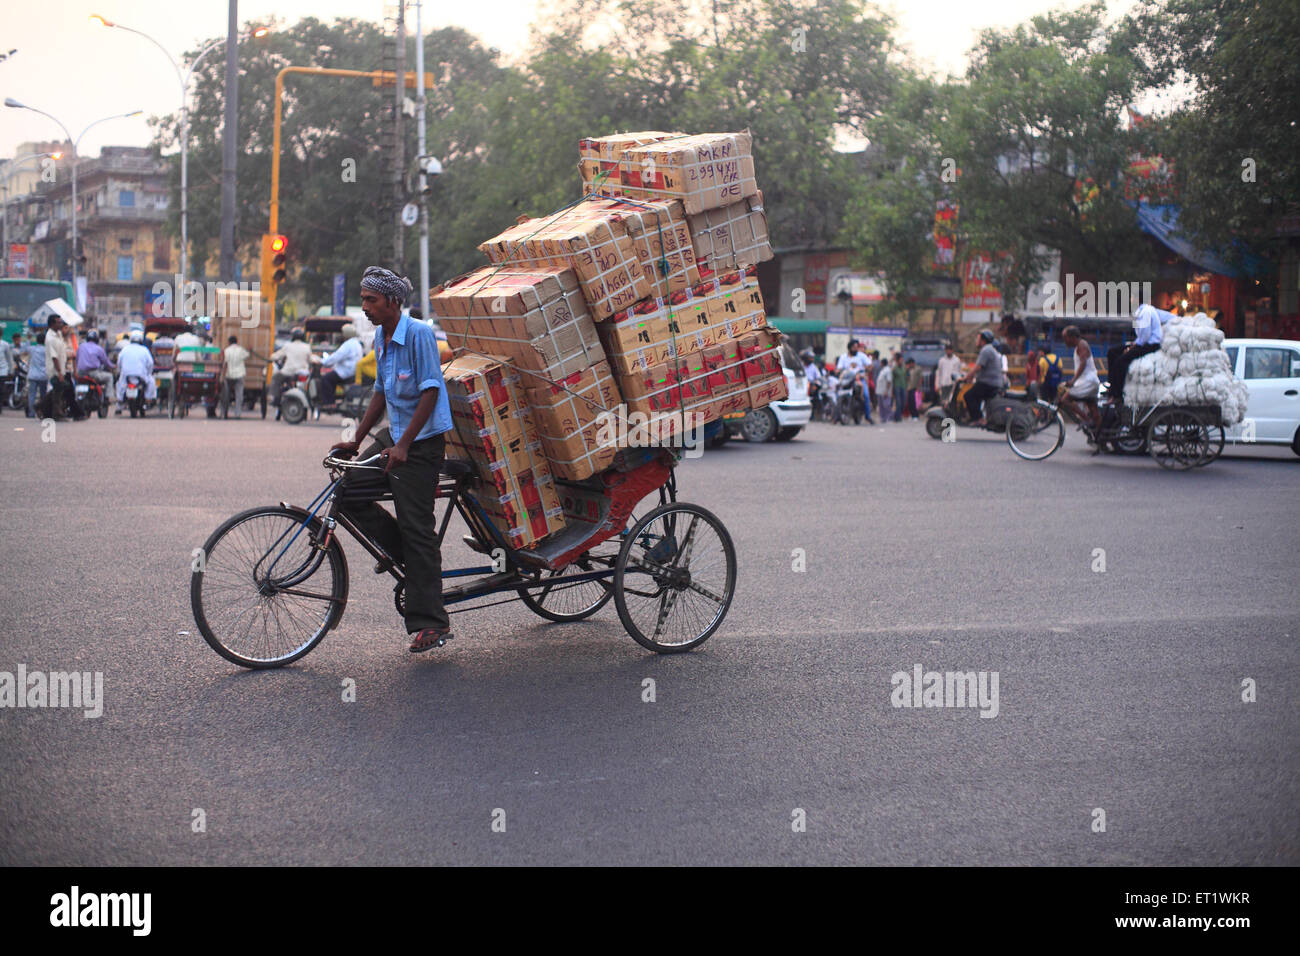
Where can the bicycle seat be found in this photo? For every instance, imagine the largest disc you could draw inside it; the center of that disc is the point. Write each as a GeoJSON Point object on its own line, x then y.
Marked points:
{"type": "Point", "coordinates": [456, 468]}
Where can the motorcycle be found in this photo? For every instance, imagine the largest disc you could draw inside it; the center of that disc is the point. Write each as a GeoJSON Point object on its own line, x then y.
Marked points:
{"type": "Point", "coordinates": [15, 386]}
{"type": "Point", "coordinates": [998, 410]}
{"type": "Point", "coordinates": [90, 395]}
{"type": "Point", "coordinates": [850, 402]}
{"type": "Point", "coordinates": [136, 387]}
{"type": "Point", "coordinates": [297, 398]}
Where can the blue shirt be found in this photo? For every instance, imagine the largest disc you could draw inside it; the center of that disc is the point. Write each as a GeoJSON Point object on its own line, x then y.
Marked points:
{"type": "Point", "coordinates": [408, 366]}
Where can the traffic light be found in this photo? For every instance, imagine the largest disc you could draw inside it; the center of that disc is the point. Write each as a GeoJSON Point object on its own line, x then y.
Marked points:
{"type": "Point", "coordinates": [275, 267]}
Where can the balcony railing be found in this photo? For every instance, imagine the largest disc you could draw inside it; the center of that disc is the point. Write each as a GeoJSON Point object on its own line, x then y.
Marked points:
{"type": "Point", "coordinates": [145, 213]}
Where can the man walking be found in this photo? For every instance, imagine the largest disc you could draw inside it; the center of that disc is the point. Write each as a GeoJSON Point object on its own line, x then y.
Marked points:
{"type": "Point", "coordinates": [56, 367]}
{"type": "Point", "coordinates": [900, 388]}
{"type": "Point", "coordinates": [411, 388]}
{"type": "Point", "coordinates": [233, 370]}
{"type": "Point", "coordinates": [885, 390]}
{"type": "Point", "coordinates": [947, 374]}
{"type": "Point", "coordinates": [37, 381]}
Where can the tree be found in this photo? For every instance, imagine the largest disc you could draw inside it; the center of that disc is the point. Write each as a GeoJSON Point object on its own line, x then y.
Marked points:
{"type": "Point", "coordinates": [1234, 142]}
{"type": "Point", "coordinates": [1038, 114]}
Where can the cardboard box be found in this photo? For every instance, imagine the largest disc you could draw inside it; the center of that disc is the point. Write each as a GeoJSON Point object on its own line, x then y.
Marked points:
{"type": "Point", "coordinates": [732, 237]}
{"type": "Point", "coordinates": [568, 415]}
{"type": "Point", "coordinates": [638, 338]}
{"type": "Point", "coordinates": [597, 154]}
{"type": "Point", "coordinates": [708, 171]}
{"type": "Point", "coordinates": [738, 303]}
{"type": "Point", "coordinates": [492, 429]}
{"type": "Point", "coordinates": [524, 514]}
{"type": "Point", "coordinates": [764, 376]}
{"type": "Point", "coordinates": [598, 249]}
{"type": "Point", "coordinates": [537, 318]}
{"type": "Point", "coordinates": [660, 238]}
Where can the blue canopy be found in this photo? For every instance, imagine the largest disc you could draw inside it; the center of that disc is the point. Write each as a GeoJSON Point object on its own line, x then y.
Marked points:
{"type": "Point", "coordinates": [1162, 222]}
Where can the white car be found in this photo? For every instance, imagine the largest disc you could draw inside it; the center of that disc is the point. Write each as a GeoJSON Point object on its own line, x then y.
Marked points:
{"type": "Point", "coordinates": [1271, 370]}
{"type": "Point", "coordinates": [780, 420]}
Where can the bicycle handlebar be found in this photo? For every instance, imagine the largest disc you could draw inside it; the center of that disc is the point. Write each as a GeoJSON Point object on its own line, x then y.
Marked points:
{"type": "Point", "coordinates": [332, 462]}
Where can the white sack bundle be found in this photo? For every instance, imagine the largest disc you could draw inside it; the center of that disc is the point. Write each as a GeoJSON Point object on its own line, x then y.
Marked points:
{"type": "Point", "coordinates": [1190, 368]}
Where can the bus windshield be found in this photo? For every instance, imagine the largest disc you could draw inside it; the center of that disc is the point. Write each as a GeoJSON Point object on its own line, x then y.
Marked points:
{"type": "Point", "coordinates": [20, 298]}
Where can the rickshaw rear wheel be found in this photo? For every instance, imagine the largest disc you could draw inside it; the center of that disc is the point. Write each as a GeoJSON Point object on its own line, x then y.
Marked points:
{"type": "Point", "coordinates": [571, 602]}
{"type": "Point", "coordinates": [675, 578]}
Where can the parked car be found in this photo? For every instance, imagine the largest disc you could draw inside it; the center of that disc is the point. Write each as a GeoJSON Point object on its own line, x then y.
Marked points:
{"type": "Point", "coordinates": [779, 420]}
{"type": "Point", "coordinates": [1271, 370]}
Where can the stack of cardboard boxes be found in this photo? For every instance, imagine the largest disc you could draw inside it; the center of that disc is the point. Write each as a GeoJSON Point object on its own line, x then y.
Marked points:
{"type": "Point", "coordinates": [637, 308]}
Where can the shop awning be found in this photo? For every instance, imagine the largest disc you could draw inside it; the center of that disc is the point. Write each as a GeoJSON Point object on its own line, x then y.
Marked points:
{"type": "Point", "coordinates": [791, 326]}
{"type": "Point", "coordinates": [1162, 222]}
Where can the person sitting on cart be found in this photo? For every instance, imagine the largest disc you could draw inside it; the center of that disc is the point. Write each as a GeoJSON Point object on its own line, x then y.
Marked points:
{"type": "Point", "coordinates": [296, 356]}
{"type": "Point", "coordinates": [1148, 323]}
{"type": "Point", "coordinates": [1082, 390]}
{"type": "Point", "coordinates": [340, 365]}
{"type": "Point", "coordinates": [987, 376]}
{"type": "Point", "coordinates": [410, 386]}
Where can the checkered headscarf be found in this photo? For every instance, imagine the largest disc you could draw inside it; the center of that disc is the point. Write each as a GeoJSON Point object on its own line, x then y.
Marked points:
{"type": "Point", "coordinates": [387, 283]}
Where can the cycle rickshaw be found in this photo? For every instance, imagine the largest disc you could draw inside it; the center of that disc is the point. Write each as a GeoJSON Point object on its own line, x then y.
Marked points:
{"type": "Point", "coordinates": [1178, 437]}
{"type": "Point", "coordinates": [271, 582]}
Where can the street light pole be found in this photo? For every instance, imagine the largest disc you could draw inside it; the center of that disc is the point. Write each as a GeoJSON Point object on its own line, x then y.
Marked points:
{"type": "Point", "coordinates": [76, 144]}
{"type": "Point", "coordinates": [184, 80]}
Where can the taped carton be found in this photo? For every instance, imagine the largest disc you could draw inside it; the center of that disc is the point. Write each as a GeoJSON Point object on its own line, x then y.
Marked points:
{"type": "Point", "coordinates": [598, 250]}
{"type": "Point", "coordinates": [567, 415]}
{"type": "Point", "coordinates": [602, 154]}
{"type": "Point", "coordinates": [536, 317]}
{"type": "Point", "coordinates": [732, 237]}
{"type": "Point", "coordinates": [708, 171]}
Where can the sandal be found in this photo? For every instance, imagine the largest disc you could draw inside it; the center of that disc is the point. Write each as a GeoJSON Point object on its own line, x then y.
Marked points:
{"type": "Point", "coordinates": [430, 637]}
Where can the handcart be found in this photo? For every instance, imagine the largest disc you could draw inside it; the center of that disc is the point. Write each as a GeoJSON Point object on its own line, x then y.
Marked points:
{"type": "Point", "coordinates": [196, 379]}
{"type": "Point", "coordinates": [273, 581]}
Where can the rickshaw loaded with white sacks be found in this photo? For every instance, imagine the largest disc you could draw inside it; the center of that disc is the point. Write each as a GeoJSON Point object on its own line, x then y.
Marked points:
{"type": "Point", "coordinates": [600, 346]}
{"type": "Point", "coordinates": [1178, 399]}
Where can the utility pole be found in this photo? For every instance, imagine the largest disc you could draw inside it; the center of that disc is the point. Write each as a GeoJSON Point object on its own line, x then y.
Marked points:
{"type": "Point", "coordinates": [421, 103]}
{"type": "Point", "coordinates": [399, 135]}
{"type": "Point", "coordinates": [229, 134]}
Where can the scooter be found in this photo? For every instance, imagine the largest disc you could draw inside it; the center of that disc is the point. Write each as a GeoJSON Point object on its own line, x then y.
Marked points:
{"type": "Point", "coordinates": [998, 410]}
{"type": "Point", "coordinates": [136, 386]}
{"type": "Point", "coordinates": [296, 399]}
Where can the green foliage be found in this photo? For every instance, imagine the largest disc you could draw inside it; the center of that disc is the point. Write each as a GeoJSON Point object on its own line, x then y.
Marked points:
{"type": "Point", "coordinates": [1039, 109]}
{"type": "Point", "coordinates": [1238, 58]}
{"type": "Point", "coordinates": [797, 74]}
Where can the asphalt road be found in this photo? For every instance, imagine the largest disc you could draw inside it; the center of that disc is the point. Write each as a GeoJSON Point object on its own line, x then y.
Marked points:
{"type": "Point", "coordinates": [1118, 690]}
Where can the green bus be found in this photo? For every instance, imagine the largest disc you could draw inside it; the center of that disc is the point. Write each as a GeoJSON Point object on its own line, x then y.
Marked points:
{"type": "Point", "coordinates": [20, 298]}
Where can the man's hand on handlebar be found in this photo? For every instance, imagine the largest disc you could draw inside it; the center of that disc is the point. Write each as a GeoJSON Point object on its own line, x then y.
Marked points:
{"type": "Point", "coordinates": [392, 457]}
{"type": "Point", "coordinates": [345, 449]}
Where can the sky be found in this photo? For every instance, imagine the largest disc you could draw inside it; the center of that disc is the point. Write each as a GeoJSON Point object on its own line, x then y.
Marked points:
{"type": "Point", "coordinates": [79, 71]}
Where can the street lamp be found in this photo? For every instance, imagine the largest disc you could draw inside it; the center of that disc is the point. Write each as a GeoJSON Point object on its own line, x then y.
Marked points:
{"type": "Point", "coordinates": [11, 168]}
{"type": "Point", "coordinates": [76, 157]}
{"type": "Point", "coordinates": [184, 81]}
